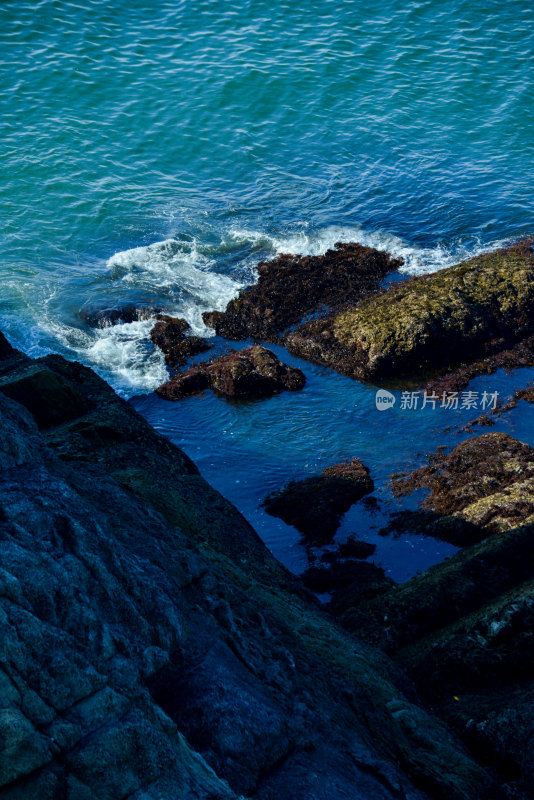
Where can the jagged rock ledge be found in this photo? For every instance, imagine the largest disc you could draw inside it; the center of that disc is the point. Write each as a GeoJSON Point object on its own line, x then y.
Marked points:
{"type": "Point", "coordinates": [152, 647]}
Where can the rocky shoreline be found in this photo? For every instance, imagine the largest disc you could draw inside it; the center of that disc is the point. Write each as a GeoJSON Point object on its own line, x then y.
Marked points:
{"type": "Point", "coordinates": [151, 645]}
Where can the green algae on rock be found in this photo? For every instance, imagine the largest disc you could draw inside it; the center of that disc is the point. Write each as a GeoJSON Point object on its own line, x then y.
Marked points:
{"type": "Point", "coordinates": [430, 322]}
{"type": "Point", "coordinates": [485, 485]}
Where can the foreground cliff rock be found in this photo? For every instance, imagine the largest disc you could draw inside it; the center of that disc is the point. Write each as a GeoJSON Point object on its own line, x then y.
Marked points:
{"type": "Point", "coordinates": [291, 287]}
{"type": "Point", "coordinates": [150, 645]}
{"type": "Point", "coordinates": [431, 323]}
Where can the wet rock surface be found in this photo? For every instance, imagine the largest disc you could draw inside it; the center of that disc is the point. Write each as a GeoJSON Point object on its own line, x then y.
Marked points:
{"type": "Point", "coordinates": [292, 287]}
{"type": "Point", "coordinates": [249, 373]}
{"type": "Point", "coordinates": [486, 482]}
{"type": "Point", "coordinates": [152, 647]}
{"type": "Point", "coordinates": [169, 334]}
{"type": "Point", "coordinates": [435, 322]}
{"type": "Point", "coordinates": [315, 505]}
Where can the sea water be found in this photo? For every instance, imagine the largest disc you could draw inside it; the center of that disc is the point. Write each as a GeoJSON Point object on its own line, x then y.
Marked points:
{"type": "Point", "coordinates": [157, 151]}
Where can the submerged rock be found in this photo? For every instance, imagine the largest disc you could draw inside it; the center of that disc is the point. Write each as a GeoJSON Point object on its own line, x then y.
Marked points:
{"type": "Point", "coordinates": [252, 372]}
{"type": "Point", "coordinates": [315, 505]}
{"type": "Point", "coordinates": [169, 334]}
{"type": "Point", "coordinates": [429, 323]}
{"type": "Point", "coordinates": [98, 316]}
{"type": "Point", "coordinates": [349, 581]}
{"type": "Point", "coordinates": [292, 287]}
{"type": "Point", "coordinates": [152, 647]}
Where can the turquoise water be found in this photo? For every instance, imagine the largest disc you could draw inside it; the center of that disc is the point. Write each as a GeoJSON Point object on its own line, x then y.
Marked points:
{"type": "Point", "coordinates": [156, 151]}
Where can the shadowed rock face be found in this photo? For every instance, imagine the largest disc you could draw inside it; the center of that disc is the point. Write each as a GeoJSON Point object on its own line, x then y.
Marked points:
{"type": "Point", "coordinates": [252, 372]}
{"type": "Point", "coordinates": [315, 505]}
{"type": "Point", "coordinates": [291, 287]}
{"type": "Point", "coordinates": [152, 647]}
{"type": "Point", "coordinates": [463, 313]}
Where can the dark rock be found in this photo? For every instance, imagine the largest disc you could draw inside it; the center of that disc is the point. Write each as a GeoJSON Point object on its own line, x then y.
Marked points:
{"type": "Point", "coordinates": [185, 384]}
{"type": "Point", "coordinates": [429, 323]}
{"type": "Point", "coordinates": [486, 481]}
{"type": "Point", "coordinates": [463, 631]}
{"type": "Point", "coordinates": [152, 647]}
{"type": "Point", "coordinates": [49, 397]}
{"type": "Point", "coordinates": [248, 373]}
{"type": "Point", "coordinates": [315, 505]}
{"type": "Point", "coordinates": [5, 348]}
{"type": "Point", "coordinates": [292, 287]}
{"type": "Point", "coordinates": [254, 371]}
{"type": "Point", "coordinates": [355, 548]}
{"type": "Point", "coordinates": [97, 316]}
{"type": "Point", "coordinates": [350, 582]}
{"type": "Point", "coordinates": [169, 335]}
{"type": "Point", "coordinates": [453, 529]}
{"type": "Point", "coordinates": [509, 358]}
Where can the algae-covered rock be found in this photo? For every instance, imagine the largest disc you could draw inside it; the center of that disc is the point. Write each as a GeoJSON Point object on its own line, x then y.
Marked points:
{"type": "Point", "coordinates": [430, 322]}
{"type": "Point", "coordinates": [486, 482]}
{"type": "Point", "coordinates": [169, 334]}
{"type": "Point", "coordinates": [291, 287]}
{"type": "Point", "coordinates": [252, 372]}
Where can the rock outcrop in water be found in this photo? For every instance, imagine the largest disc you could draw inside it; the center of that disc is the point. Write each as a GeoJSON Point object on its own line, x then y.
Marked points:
{"type": "Point", "coordinates": [434, 322]}
{"type": "Point", "coordinates": [241, 374]}
{"type": "Point", "coordinates": [151, 645]}
{"type": "Point", "coordinates": [315, 505]}
{"type": "Point", "coordinates": [487, 482]}
{"type": "Point", "coordinates": [169, 334]}
{"type": "Point", "coordinates": [290, 288]}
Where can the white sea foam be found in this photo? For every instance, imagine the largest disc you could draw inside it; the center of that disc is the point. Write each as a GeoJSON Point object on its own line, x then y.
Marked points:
{"type": "Point", "coordinates": [122, 354]}
{"type": "Point", "coordinates": [418, 260]}
{"type": "Point", "coordinates": [182, 274]}
{"type": "Point", "coordinates": [185, 275]}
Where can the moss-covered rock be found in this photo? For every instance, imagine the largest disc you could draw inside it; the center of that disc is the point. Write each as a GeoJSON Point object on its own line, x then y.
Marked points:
{"type": "Point", "coordinates": [430, 322]}
{"type": "Point", "coordinates": [486, 483]}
